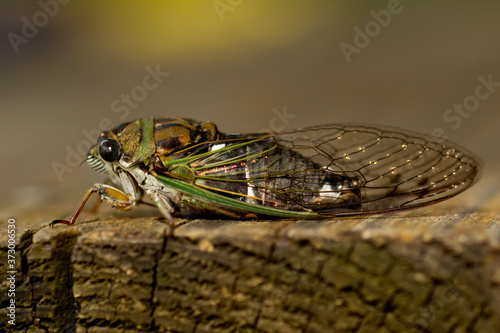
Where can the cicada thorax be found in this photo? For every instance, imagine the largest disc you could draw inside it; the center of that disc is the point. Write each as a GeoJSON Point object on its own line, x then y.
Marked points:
{"type": "Point", "coordinates": [173, 135]}
{"type": "Point", "coordinates": [148, 139]}
{"type": "Point", "coordinates": [176, 139]}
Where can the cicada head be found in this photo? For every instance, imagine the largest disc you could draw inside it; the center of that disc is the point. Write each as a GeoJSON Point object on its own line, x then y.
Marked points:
{"type": "Point", "coordinates": [122, 147]}
{"type": "Point", "coordinates": [103, 157]}
{"type": "Point", "coordinates": [134, 143]}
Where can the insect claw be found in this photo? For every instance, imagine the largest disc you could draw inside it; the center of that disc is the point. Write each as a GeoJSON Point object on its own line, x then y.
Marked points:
{"type": "Point", "coordinates": [173, 225]}
{"type": "Point", "coordinates": [59, 222]}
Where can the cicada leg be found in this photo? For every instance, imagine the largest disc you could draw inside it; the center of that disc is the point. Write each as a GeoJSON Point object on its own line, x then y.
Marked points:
{"type": "Point", "coordinates": [115, 197]}
{"type": "Point", "coordinates": [98, 200]}
{"type": "Point", "coordinates": [165, 206]}
{"type": "Point", "coordinates": [95, 207]}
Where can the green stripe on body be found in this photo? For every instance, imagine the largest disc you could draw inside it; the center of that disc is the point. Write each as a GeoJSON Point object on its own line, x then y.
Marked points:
{"type": "Point", "coordinates": [229, 202]}
{"type": "Point", "coordinates": [147, 146]}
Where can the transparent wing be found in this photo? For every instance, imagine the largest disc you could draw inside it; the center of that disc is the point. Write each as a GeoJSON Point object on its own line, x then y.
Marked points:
{"type": "Point", "coordinates": [395, 169]}
{"type": "Point", "coordinates": [340, 169]}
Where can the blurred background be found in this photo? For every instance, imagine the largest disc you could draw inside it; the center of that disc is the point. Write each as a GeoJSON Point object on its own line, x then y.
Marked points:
{"type": "Point", "coordinates": [69, 68]}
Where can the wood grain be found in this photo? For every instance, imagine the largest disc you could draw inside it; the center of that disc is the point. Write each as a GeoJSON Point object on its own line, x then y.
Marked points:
{"type": "Point", "coordinates": [398, 273]}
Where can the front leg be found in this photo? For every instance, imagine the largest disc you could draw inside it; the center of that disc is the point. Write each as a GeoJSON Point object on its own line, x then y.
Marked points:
{"type": "Point", "coordinates": [115, 197]}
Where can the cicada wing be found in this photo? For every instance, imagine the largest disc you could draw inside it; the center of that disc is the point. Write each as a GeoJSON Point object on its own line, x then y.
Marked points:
{"type": "Point", "coordinates": [394, 169]}
{"type": "Point", "coordinates": [340, 169]}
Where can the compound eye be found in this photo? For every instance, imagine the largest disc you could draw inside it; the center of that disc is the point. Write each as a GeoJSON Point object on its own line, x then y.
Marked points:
{"type": "Point", "coordinates": [109, 150]}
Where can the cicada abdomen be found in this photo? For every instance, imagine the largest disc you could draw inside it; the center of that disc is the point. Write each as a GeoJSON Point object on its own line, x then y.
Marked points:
{"type": "Point", "coordinates": [261, 171]}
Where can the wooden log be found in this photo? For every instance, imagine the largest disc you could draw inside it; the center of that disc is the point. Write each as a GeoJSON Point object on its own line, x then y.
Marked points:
{"type": "Point", "coordinates": [395, 273]}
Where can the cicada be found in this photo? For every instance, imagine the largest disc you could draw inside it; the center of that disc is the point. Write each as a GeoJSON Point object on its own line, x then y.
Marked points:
{"type": "Point", "coordinates": [314, 172]}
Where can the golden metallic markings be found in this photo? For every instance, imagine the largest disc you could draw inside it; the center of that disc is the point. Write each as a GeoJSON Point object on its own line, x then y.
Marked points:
{"type": "Point", "coordinates": [315, 172]}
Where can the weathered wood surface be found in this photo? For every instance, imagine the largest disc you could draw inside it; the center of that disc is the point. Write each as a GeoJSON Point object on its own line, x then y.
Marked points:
{"type": "Point", "coordinates": [395, 273]}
